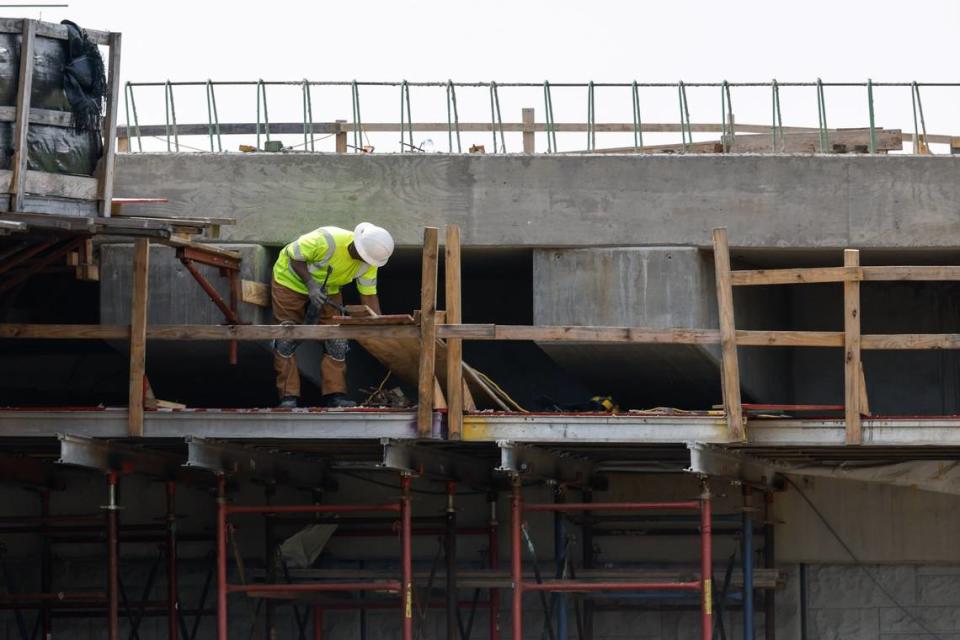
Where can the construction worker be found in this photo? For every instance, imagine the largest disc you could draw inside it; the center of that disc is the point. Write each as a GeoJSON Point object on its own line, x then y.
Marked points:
{"type": "Point", "coordinates": [307, 278]}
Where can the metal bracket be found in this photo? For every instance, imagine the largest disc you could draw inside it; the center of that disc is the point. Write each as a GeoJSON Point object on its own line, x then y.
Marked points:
{"type": "Point", "coordinates": [223, 458]}
{"type": "Point", "coordinates": [431, 461]}
{"type": "Point", "coordinates": [525, 460]}
{"type": "Point", "coordinates": [709, 460]}
{"type": "Point", "coordinates": [106, 456]}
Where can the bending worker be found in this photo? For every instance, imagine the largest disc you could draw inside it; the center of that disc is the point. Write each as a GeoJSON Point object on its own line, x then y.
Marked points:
{"type": "Point", "coordinates": [307, 278]}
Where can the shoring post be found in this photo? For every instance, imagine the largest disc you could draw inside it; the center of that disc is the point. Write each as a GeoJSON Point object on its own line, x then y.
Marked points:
{"type": "Point", "coordinates": [221, 557]}
{"type": "Point", "coordinates": [139, 300]}
{"type": "Point", "coordinates": [730, 368]}
{"type": "Point", "coordinates": [428, 333]}
{"type": "Point", "coordinates": [493, 542]}
{"type": "Point", "coordinates": [452, 280]}
{"type": "Point", "coordinates": [529, 137]}
{"type": "Point", "coordinates": [747, 565]}
{"type": "Point", "coordinates": [173, 625]}
{"type": "Point", "coordinates": [317, 622]}
{"type": "Point", "coordinates": [706, 562]}
{"type": "Point", "coordinates": [769, 561]}
{"type": "Point", "coordinates": [19, 162]}
{"type": "Point", "coordinates": [516, 560]}
{"type": "Point", "coordinates": [587, 534]}
{"type": "Point", "coordinates": [46, 566]}
{"type": "Point", "coordinates": [560, 560]}
{"type": "Point", "coordinates": [113, 579]}
{"type": "Point", "coordinates": [851, 350]}
{"type": "Point", "coordinates": [406, 558]}
{"type": "Point", "coordinates": [450, 546]}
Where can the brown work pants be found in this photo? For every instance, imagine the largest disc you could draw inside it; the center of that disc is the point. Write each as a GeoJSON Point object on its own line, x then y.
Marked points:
{"type": "Point", "coordinates": [290, 306]}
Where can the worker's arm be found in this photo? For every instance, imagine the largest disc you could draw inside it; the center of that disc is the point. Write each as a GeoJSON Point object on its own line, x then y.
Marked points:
{"type": "Point", "coordinates": [371, 301]}
{"type": "Point", "coordinates": [300, 268]}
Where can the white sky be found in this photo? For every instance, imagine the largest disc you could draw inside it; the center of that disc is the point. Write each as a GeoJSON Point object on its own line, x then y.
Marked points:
{"type": "Point", "coordinates": [559, 40]}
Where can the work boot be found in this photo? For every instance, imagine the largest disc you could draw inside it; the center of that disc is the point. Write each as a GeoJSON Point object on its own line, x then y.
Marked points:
{"type": "Point", "coordinates": [337, 400]}
{"type": "Point", "coordinates": [288, 402]}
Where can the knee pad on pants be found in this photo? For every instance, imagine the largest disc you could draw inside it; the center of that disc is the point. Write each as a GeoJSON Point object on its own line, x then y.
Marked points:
{"type": "Point", "coordinates": [337, 348]}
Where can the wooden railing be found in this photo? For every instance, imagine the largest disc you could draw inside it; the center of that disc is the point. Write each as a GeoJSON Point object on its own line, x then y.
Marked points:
{"type": "Point", "coordinates": [435, 324]}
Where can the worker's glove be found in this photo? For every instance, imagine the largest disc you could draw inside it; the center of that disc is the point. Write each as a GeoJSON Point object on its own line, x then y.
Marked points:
{"type": "Point", "coordinates": [318, 297]}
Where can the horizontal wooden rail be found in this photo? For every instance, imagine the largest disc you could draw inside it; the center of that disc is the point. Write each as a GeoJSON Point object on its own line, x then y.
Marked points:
{"type": "Point", "coordinates": [815, 275]}
{"type": "Point", "coordinates": [483, 332]}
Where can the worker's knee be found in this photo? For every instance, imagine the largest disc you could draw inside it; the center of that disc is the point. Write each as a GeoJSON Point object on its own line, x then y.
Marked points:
{"type": "Point", "coordinates": [337, 348]}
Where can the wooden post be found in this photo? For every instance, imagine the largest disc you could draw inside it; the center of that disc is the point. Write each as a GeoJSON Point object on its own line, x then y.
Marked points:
{"type": "Point", "coordinates": [529, 138]}
{"type": "Point", "coordinates": [851, 350]}
{"type": "Point", "coordinates": [730, 368]}
{"type": "Point", "coordinates": [428, 333]}
{"type": "Point", "coordinates": [123, 145]}
{"type": "Point", "coordinates": [451, 265]}
{"type": "Point", "coordinates": [138, 335]}
{"type": "Point", "coordinates": [18, 178]}
{"type": "Point", "coordinates": [110, 127]}
{"type": "Point", "coordinates": [341, 137]}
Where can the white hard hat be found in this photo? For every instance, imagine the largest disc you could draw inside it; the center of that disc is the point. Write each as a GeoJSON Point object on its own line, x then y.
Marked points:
{"type": "Point", "coordinates": [373, 243]}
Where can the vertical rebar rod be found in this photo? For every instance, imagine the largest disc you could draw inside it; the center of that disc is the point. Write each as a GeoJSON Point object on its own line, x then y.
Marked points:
{"type": "Point", "coordinates": [822, 118]}
{"type": "Point", "coordinates": [637, 124]}
{"type": "Point", "coordinates": [357, 132]}
{"type": "Point", "coordinates": [560, 561]}
{"type": "Point", "coordinates": [173, 625]}
{"type": "Point", "coordinates": [307, 116]}
{"type": "Point", "coordinates": [769, 561]}
{"type": "Point", "coordinates": [706, 563]}
{"type": "Point", "coordinates": [450, 546]}
{"type": "Point", "coordinates": [516, 560]}
{"type": "Point", "coordinates": [747, 565]}
{"type": "Point", "coordinates": [221, 557]}
{"type": "Point", "coordinates": [777, 124]}
{"type": "Point", "coordinates": [873, 124]}
{"type": "Point", "coordinates": [591, 118]}
{"type": "Point", "coordinates": [496, 118]}
{"type": "Point", "coordinates": [113, 578]}
{"type": "Point", "coordinates": [453, 117]}
{"type": "Point", "coordinates": [406, 557]}
{"type": "Point", "coordinates": [46, 566]}
{"type": "Point", "coordinates": [493, 542]}
{"type": "Point", "coordinates": [686, 133]}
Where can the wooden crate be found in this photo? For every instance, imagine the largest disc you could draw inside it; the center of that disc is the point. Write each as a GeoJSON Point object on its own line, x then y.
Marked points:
{"type": "Point", "coordinates": [40, 192]}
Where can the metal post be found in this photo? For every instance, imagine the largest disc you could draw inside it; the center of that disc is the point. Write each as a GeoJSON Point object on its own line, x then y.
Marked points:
{"type": "Point", "coordinates": [317, 622]}
{"type": "Point", "coordinates": [516, 562]}
{"type": "Point", "coordinates": [587, 534]}
{"type": "Point", "coordinates": [46, 566]}
{"type": "Point", "coordinates": [560, 560]}
{"type": "Point", "coordinates": [494, 562]}
{"type": "Point", "coordinates": [173, 625]}
{"type": "Point", "coordinates": [406, 579]}
{"type": "Point", "coordinates": [803, 602]}
{"type": "Point", "coordinates": [453, 629]}
{"type": "Point", "coordinates": [769, 561]}
{"type": "Point", "coordinates": [271, 572]}
{"type": "Point", "coordinates": [747, 566]}
{"type": "Point", "coordinates": [706, 562]}
{"type": "Point", "coordinates": [221, 557]}
{"type": "Point", "coordinates": [113, 582]}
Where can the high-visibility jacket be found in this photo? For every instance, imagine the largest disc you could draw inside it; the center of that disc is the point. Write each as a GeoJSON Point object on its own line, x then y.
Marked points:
{"type": "Point", "coordinates": [325, 251]}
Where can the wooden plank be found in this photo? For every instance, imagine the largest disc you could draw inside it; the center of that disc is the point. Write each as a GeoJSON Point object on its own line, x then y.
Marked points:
{"type": "Point", "coordinates": [851, 351]}
{"type": "Point", "coordinates": [451, 266]}
{"type": "Point", "coordinates": [729, 366]}
{"type": "Point", "coordinates": [756, 338]}
{"type": "Point", "coordinates": [340, 140]}
{"type": "Point", "coordinates": [910, 341]}
{"type": "Point", "coordinates": [138, 335]}
{"type": "Point", "coordinates": [110, 127]}
{"type": "Point", "coordinates": [199, 246]}
{"type": "Point", "coordinates": [18, 164]}
{"type": "Point", "coordinates": [529, 138]}
{"type": "Point", "coordinates": [61, 186]}
{"type": "Point", "coordinates": [864, 398]}
{"type": "Point", "coordinates": [428, 332]}
{"type": "Point", "coordinates": [47, 117]}
{"type": "Point", "coordinates": [810, 275]}
{"type": "Point", "coordinates": [912, 273]}
{"type": "Point", "coordinates": [253, 292]}
{"type": "Point", "coordinates": [794, 142]}
{"type": "Point", "coordinates": [50, 30]}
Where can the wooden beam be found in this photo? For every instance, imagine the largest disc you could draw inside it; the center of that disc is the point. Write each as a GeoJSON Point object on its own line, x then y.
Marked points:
{"type": "Point", "coordinates": [529, 138]}
{"type": "Point", "coordinates": [18, 164]}
{"type": "Point", "coordinates": [911, 273]}
{"type": "Point", "coordinates": [253, 292]}
{"type": "Point", "coordinates": [428, 332]}
{"type": "Point", "coordinates": [729, 366]}
{"type": "Point", "coordinates": [452, 281]}
{"type": "Point", "coordinates": [340, 140]}
{"type": "Point", "coordinates": [110, 127]}
{"type": "Point", "coordinates": [138, 335]}
{"type": "Point", "coordinates": [812, 275]}
{"type": "Point", "coordinates": [851, 351]}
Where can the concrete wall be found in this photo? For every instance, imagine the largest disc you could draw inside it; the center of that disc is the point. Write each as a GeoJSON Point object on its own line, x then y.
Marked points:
{"type": "Point", "coordinates": [551, 201]}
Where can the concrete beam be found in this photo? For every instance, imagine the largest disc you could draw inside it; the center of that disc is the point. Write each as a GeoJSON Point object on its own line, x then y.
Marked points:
{"type": "Point", "coordinates": [566, 201]}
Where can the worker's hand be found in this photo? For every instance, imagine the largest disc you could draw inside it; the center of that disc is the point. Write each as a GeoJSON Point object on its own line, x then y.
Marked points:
{"type": "Point", "coordinates": [318, 296]}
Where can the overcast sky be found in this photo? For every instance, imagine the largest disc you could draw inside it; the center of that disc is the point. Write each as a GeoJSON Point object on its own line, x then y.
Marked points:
{"type": "Point", "coordinates": [559, 40]}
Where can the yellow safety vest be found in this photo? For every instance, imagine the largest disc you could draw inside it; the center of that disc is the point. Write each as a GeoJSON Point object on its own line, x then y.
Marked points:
{"type": "Point", "coordinates": [325, 250]}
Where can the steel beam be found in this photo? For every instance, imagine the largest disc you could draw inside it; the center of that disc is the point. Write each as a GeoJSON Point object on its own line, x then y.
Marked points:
{"type": "Point", "coordinates": [109, 456]}
{"type": "Point", "coordinates": [524, 460]}
{"type": "Point", "coordinates": [227, 459]}
{"type": "Point", "coordinates": [433, 462]}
